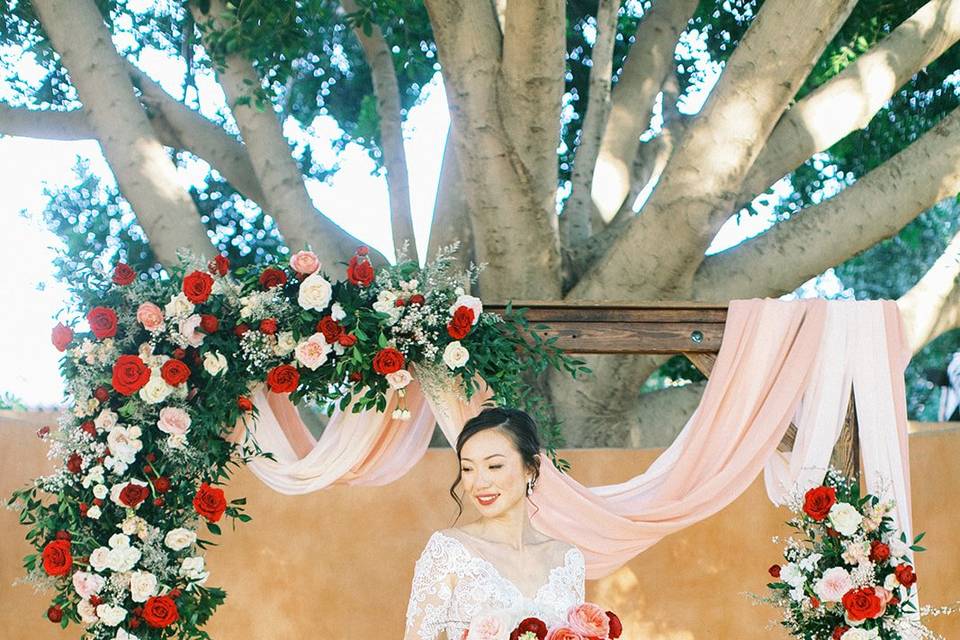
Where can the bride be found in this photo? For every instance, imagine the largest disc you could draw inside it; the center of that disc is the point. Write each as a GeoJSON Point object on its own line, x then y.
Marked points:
{"type": "Point", "coordinates": [499, 561]}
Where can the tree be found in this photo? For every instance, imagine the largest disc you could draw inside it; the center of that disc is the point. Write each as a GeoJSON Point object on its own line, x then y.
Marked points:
{"type": "Point", "coordinates": [855, 104]}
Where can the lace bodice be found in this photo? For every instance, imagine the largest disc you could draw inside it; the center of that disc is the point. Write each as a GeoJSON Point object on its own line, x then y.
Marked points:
{"type": "Point", "coordinates": [452, 585]}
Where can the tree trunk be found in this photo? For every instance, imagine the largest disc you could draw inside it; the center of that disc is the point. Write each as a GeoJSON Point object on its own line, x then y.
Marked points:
{"type": "Point", "coordinates": [145, 174]}
{"type": "Point", "coordinates": [932, 306]}
{"type": "Point", "coordinates": [451, 215]}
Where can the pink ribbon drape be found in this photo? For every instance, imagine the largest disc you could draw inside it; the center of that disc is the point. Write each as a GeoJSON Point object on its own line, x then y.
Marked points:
{"type": "Point", "coordinates": [779, 361]}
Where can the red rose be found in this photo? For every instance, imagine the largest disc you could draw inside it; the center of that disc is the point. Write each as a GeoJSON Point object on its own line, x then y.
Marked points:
{"type": "Point", "coordinates": [133, 494]}
{"type": "Point", "coordinates": [536, 626]}
{"type": "Point", "coordinates": [174, 372]}
{"type": "Point", "coordinates": [96, 600]}
{"type": "Point", "coordinates": [209, 323]}
{"type": "Point", "coordinates": [101, 394]}
{"type": "Point", "coordinates": [55, 614]}
{"type": "Point", "coordinates": [774, 571]}
{"type": "Point", "coordinates": [130, 374]}
{"type": "Point", "coordinates": [209, 502]}
{"type": "Point", "coordinates": [103, 322]}
{"type": "Point", "coordinates": [134, 623]}
{"type": "Point", "coordinates": [862, 604]}
{"type": "Point", "coordinates": [461, 323]}
{"type": "Point", "coordinates": [360, 272]}
{"type": "Point", "coordinates": [219, 265]}
{"type": "Point", "coordinates": [839, 631]}
{"type": "Point", "coordinates": [362, 250]}
{"type": "Point", "coordinates": [879, 552]}
{"type": "Point", "coordinates": [57, 559]}
{"type": "Point", "coordinates": [162, 484]}
{"type": "Point", "coordinates": [89, 428]}
{"type": "Point", "coordinates": [123, 274]}
{"type": "Point", "coordinates": [44, 431]}
{"type": "Point", "coordinates": [817, 502]}
{"type": "Point", "coordinates": [272, 277]}
{"type": "Point", "coordinates": [905, 575]}
{"type": "Point", "coordinates": [179, 353]}
{"type": "Point", "coordinates": [83, 506]}
{"type": "Point", "coordinates": [63, 535]}
{"type": "Point", "coordinates": [268, 326]}
{"type": "Point", "coordinates": [175, 593]}
{"type": "Point", "coordinates": [244, 403]}
{"type": "Point", "coordinates": [158, 502]}
{"type": "Point", "coordinates": [388, 361]}
{"type": "Point", "coordinates": [356, 376]}
{"type": "Point", "coordinates": [160, 611]}
{"type": "Point", "coordinates": [147, 469]}
{"type": "Point", "coordinates": [61, 336]}
{"type": "Point", "coordinates": [330, 329]}
{"type": "Point", "coordinates": [240, 329]}
{"type": "Point", "coordinates": [74, 462]}
{"type": "Point", "coordinates": [151, 457]}
{"type": "Point", "coordinates": [347, 339]}
{"type": "Point", "coordinates": [197, 286]}
{"type": "Point", "coordinates": [616, 627]}
{"type": "Point", "coordinates": [417, 299]}
{"type": "Point", "coordinates": [283, 379]}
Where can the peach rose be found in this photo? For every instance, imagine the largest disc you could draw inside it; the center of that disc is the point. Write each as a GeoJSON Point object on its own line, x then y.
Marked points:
{"type": "Point", "coordinates": [564, 633]}
{"type": "Point", "coordinates": [589, 620]}
{"type": "Point", "coordinates": [150, 316]}
{"type": "Point", "coordinates": [173, 420]}
{"type": "Point", "coordinates": [305, 262]}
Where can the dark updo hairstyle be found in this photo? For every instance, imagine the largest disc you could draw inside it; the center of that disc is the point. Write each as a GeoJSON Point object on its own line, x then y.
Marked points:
{"type": "Point", "coordinates": [516, 424]}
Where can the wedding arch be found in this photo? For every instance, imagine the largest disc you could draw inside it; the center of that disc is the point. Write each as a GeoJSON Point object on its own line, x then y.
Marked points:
{"type": "Point", "coordinates": [174, 376]}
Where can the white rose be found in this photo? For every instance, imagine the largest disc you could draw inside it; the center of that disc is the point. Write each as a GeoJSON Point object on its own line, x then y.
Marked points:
{"type": "Point", "coordinates": [214, 363]}
{"type": "Point", "coordinates": [860, 634]}
{"type": "Point", "coordinates": [88, 613]}
{"type": "Point", "coordinates": [93, 512]}
{"type": "Point", "coordinates": [387, 303]}
{"type": "Point", "coordinates": [337, 312]}
{"type": "Point", "coordinates": [179, 538]}
{"type": "Point", "coordinates": [845, 518]}
{"type": "Point", "coordinates": [399, 379]}
{"type": "Point", "coordinates": [118, 540]}
{"type": "Point", "coordinates": [122, 634]}
{"type": "Point", "coordinates": [791, 574]}
{"type": "Point", "coordinates": [285, 343]}
{"type": "Point", "coordinates": [192, 569]}
{"type": "Point", "coordinates": [156, 390]}
{"type": "Point", "coordinates": [123, 558]}
{"type": "Point", "coordinates": [890, 583]}
{"type": "Point", "coordinates": [110, 614]}
{"type": "Point", "coordinates": [133, 525]}
{"type": "Point", "coordinates": [106, 420]}
{"type": "Point", "coordinates": [119, 467]}
{"type": "Point", "coordinates": [94, 476]}
{"type": "Point", "coordinates": [87, 584]}
{"type": "Point", "coordinates": [315, 292]}
{"type": "Point", "coordinates": [471, 303]}
{"type": "Point", "coordinates": [898, 548]}
{"type": "Point", "coordinates": [174, 420]}
{"type": "Point", "coordinates": [99, 556]}
{"type": "Point", "coordinates": [455, 355]}
{"type": "Point", "coordinates": [100, 491]}
{"type": "Point", "coordinates": [123, 443]}
{"type": "Point", "coordinates": [189, 329]}
{"type": "Point", "coordinates": [179, 306]}
{"type": "Point", "coordinates": [313, 351]}
{"type": "Point", "coordinates": [143, 584]}
{"type": "Point", "coordinates": [809, 563]}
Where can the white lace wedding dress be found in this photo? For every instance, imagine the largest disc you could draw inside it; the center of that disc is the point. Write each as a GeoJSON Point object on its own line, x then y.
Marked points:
{"type": "Point", "coordinates": [452, 585]}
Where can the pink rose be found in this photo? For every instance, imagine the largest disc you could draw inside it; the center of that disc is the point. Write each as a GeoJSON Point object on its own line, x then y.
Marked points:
{"type": "Point", "coordinates": [87, 584]}
{"type": "Point", "coordinates": [189, 330]}
{"type": "Point", "coordinates": [564, 633]}
{"type": "Point", "coordinates": [494, 626]}
{"type": "Point", "coordinates": [589, 620]}
{"type": "Point", "coordinates": [173, 420]}
{"type": "Point", "coordinates": [150, 316]}
{"type": "Point", "coordinates": [305, 262]}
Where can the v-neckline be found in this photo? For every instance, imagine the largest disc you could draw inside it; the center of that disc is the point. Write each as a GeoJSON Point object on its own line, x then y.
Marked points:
{"type": "Point", "coordinates": [536, 597]}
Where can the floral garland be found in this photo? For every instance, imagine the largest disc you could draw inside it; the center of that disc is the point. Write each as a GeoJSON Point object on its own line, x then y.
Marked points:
{"type": "Point", "coordinates": [166, 369]}
{"type": "Point", "coordinates": [850, 575]}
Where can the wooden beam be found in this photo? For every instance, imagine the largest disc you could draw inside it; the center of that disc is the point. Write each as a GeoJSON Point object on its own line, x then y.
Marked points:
{"type": "Point", "coordinates": [846, 454]}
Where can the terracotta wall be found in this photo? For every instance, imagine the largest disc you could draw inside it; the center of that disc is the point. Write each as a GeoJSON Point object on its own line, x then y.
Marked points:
{"type": "Point", "coordinates": [337, 564]}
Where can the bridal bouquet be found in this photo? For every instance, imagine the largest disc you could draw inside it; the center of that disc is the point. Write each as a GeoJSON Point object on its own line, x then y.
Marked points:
{"type": "Point", "coordinates": [848, 573]}
{"type": "Point", "coordinates": [585, 621]}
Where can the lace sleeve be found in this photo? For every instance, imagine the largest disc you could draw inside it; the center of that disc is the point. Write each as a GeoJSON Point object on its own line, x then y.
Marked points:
{"type": "Point", "coordinates": [430, 593]}
{"type": "Point", "coordinates": [578, 574]}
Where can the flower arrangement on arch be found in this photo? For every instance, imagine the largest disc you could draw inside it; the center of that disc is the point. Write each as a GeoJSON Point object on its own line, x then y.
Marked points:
{"type": "Point", "coordinates": [849, 572]}
{"type": "Point", "coordinates": [160, 369]}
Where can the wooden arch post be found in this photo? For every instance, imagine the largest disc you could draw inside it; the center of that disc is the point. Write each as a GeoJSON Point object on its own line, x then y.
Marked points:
{"type": "Point", "coordinates": [693, 329]}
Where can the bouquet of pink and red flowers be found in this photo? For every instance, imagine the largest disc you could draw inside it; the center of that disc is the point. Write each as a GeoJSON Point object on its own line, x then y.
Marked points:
{"type": "Point", "coordinates": [585, 621]}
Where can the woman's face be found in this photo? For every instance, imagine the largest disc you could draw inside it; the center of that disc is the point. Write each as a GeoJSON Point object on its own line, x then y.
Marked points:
{"type": "Point", "coordinates": [493, 473]}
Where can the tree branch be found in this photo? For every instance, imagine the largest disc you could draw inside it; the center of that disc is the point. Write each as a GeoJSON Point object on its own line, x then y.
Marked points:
{"type": "Point", "coordinates": [647, 66]}
{"type": "Point", "coordinates": [146, 176]}
{"type": "Point", "coordinates": [876, 207]}
{"type": "Point", "coordinates": [201, 137]}
{"type": "Point", "coordinates": [932, 306]}
{"type": "Point", "coordinates": [387, 90]}
{"type": "Point", "coordinates": [46, 124]}
{"type": "Point", "coordinates": [850, 100]}
{"type": "Point", "coordinates": [575, 224]}
{"type": "Point", "coordinates": [688, 205]}
{"type": "Point", "coordinates": [290, 205]}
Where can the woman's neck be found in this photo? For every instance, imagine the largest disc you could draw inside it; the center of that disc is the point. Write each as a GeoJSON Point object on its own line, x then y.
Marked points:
{"type": "Point", "coordinates": [512, 527]}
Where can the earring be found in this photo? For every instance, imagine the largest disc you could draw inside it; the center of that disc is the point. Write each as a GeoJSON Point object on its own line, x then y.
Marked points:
{"type": "Point", "coordinates": [529, 486]}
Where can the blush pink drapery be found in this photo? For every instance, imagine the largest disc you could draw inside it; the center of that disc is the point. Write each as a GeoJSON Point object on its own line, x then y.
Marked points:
{"type": "Point", "coordinates": [779, 361]}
